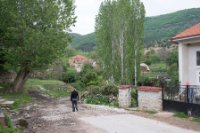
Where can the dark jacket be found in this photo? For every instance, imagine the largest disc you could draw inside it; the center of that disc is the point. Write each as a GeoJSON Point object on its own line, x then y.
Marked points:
{"type": "Point", "coordinates": [74, 96]}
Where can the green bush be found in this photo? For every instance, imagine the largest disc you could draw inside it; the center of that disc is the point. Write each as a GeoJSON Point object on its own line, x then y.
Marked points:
{"type": "Point", "coordinates": [109, 90]}
{"type": "Point", "coordinates": [93, 90]}
{"type": "Point", "coordinates": [98, 99]}
{"type": "Point", "coordinates": [7, 130]}
{"type": "Point", "coordinates": [181, 115]}
{"type": "Point", "coordinates": [145, 81]}
{"type": "Point", "coordinates": [89, 76]}
{"type": "Point", "coordinates": [78, 85]}
{"type": "Point", "coordinates": [69, 76]}
{"type": "Point", "coordinates": [133, 98]}
{"type": "Point", "coordinates": [9, 124]}
{"type": "Point", "coordinates": [8, 121]}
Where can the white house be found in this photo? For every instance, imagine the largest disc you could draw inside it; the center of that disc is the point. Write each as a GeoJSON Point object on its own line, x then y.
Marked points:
{"type": "Point", "coordinates": [189, 55]}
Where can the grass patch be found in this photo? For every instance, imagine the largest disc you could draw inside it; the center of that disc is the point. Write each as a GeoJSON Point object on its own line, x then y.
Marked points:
{"type": "Point", "coordinates": [152, 112]}
{"type": "Point", "coordinates": [43, 82]}
{"type": "Point", "coordinates": [19, 98]}
{"type": "Point", "coordinates": [181, 115]}
{"type": "Point", "coordinates": [196, 119]}
{"type": "Point", "coordinates": [7, 130]}
{"type": "Point", "coordinates": [158, 67]}
{"type": "Point", "coordinates": [54, 88]}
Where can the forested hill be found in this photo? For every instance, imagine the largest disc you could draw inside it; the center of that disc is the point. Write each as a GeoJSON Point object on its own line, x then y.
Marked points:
{"type": "Point", "coordinates": [83, 42]}
{"type": "Point", "coordinates": [161, 28]}
{"type": "Point", "coordinates": [158, 29]}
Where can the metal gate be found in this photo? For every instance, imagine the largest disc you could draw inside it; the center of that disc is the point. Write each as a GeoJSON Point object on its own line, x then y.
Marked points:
{"type": "Point", "coordinates": [182, 99]}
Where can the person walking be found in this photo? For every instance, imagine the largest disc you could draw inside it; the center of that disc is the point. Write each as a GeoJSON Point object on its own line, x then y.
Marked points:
{"type": "Point", "coordinates": [74, 100]}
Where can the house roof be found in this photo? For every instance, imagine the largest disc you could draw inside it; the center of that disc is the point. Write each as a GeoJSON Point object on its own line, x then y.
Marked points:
{"type": "Point", "coordinates": [190, 32]}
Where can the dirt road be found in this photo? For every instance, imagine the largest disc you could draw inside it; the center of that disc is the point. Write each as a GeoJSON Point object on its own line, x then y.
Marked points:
{"type": "Point", "coordinates": [56, 117]}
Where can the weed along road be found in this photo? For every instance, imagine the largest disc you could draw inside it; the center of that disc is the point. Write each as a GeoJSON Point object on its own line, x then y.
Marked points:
{"type": "Point", "coordinates": [56, 116]}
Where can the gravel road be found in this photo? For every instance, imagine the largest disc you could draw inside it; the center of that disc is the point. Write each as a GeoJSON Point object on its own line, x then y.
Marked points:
{"type": "Point", "coordinates": [126, 123]}
{"type": "Point", "coordinates": [56, 116]}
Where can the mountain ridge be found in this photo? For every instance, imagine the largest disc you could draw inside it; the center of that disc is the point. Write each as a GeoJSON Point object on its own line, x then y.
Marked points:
{"type": "Point", "coordinates": [157, 29]}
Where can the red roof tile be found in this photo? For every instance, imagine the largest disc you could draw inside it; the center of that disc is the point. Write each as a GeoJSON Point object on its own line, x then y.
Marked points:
{"type": "Point", "coordinates": [190, 32]}
{"type": "Point", "coordinates": [149, 88]}
{"type": "Point", "coordinates": [122, 87]}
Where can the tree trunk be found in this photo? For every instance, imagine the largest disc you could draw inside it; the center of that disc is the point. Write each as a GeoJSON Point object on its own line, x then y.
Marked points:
{"type": "Point", "coordinates": [20, 80]}
{"type": "Point", "coordinates": [121, 41]}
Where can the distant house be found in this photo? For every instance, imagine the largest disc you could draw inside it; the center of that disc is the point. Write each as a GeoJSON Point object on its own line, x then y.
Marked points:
{"type": "Point", "coordinates": [79, 60]}
{"type": "Point", "coordinates": [189, 55]}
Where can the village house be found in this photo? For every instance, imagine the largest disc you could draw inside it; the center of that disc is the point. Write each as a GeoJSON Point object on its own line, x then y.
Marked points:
{"type": "Point", "coordinates": [79, 60]}
{"type": "Point", "coordinates": [189, 55]}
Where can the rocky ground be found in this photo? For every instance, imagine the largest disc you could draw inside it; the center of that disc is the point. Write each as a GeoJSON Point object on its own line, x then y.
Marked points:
{"type": "Point", "coordinates": [56, 116]}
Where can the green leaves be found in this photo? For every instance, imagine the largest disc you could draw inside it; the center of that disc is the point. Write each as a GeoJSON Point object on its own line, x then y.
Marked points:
{"type": "Point", "coordinates": [119, 37]}
{"type": "Point", "coordinates": [36, 34]}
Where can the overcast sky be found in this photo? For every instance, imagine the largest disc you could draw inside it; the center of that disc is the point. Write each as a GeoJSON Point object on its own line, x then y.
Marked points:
{"type": "Point", "coordinates": [86, 10]}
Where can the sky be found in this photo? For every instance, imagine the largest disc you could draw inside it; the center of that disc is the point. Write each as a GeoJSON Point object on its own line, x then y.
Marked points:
{"type": "Point", "coordinates": [86, 11]}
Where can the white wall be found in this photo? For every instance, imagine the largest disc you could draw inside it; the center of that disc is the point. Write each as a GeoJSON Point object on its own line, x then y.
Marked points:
{"type": "Point", "coordinates": [192, 65]}
{"type": "Point", "coordinates": [124, 98]}
{"type": "Point", "coordinates": [148, 100]}
{"type": "Point", "coordinates": [187, 63]}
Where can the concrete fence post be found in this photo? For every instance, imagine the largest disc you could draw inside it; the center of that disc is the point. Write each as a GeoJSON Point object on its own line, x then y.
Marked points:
{"type": "Point", "coordinates": [124, 96]}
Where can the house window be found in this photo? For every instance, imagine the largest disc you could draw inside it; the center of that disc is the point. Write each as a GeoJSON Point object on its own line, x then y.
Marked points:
{"type": "Point", "coordinates": [198, 58]}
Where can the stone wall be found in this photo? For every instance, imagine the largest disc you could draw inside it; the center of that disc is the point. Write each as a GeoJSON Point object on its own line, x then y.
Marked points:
{"type": "Point", "coordinates": [149, 98]}
{"type": "Point", "coordinates": [124, 96]}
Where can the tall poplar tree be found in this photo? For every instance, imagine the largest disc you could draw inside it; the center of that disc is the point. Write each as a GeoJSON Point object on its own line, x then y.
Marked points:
{"type": "Point", "coordinates": [119, 33]}
{"type": "Point", "coordinates": [36, 34]}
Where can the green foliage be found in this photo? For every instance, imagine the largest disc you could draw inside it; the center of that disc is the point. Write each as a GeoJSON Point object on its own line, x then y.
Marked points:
{"type": "Point", "coordinates": [78, 85]}
{"type": "Point", "coordinates": [7, 130]}
{"type": "Point", "coordinates": [89, 76]}
{"type": "Point", "coordinates": [54, 88]}
{"type": "Point", "coordinates": [20, 99]}
{"type": "Point", "coordinates": [84, 42]}
{"type": "Point", "coordinates": [93, 90]}
{"type": "Point", "coordinates": [109, 90]}
{"type": "Point", "coordinates": [152, 59]}
{"type": "Point", "coordinates": [34, 44]}
{"type": "Point", "coordinates": [196, 120]}
{"type": "Point", "coordinates": [172, 62]}
{"type": "Point", "coordinates": [98, 99]}
{"type": "Point", "coordinates": [165, 26]}
{"type": "Point", "coordinates": [181, 115]}
{"type": "Point", "coordinates": [119, 38]}
{"type": "Point", "coordinates": [70, 52]}
{"type": "Point", "coordinates": [104, 95]}
{"type": "Point", "coordinates": [9, 124]}
{"type": "Point", "coordinates": [36, 33]}
{"type": "Point", "coordinates": [69, 77]}
{"type": "Point", "coordinates": [133, 98]}
{"type": "Point", "coordinates": [146, 81]}
{"type": "Point", "coordinates": [158, 67]}
{"type": "Point", "coordinates": [8, 121]}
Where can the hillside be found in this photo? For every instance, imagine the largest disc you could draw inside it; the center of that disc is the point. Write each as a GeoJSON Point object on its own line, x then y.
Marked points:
{"type": "Point", "coordinates": [163, 27]}
{"type": "Point", "coordinates": [83, 42]}
{"type": "Point", "coordinates": [157, 29]}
